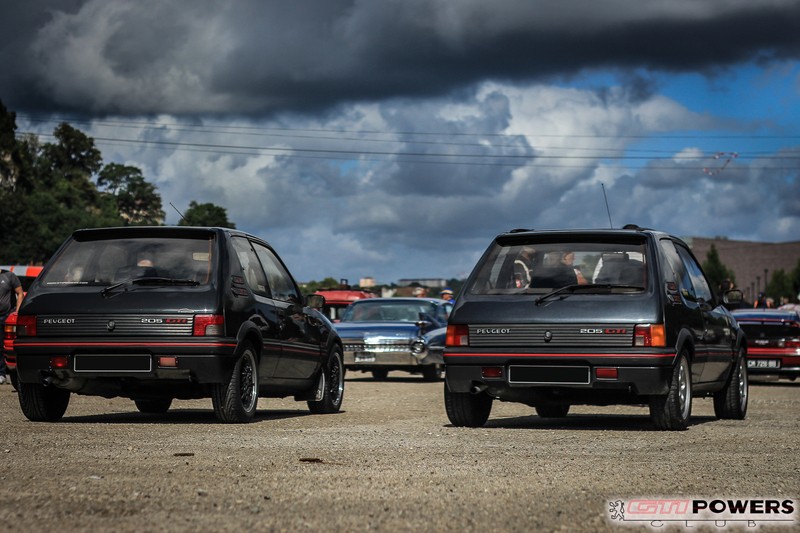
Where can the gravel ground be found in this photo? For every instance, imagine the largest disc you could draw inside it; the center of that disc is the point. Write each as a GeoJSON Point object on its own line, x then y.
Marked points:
{"type": "Point", "coordinates": [389, 462]}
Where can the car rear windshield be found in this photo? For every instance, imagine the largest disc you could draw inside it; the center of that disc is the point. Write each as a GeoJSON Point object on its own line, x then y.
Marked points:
{"type": "Point", "coordinates": [771, 330]}
{"type": "Point", "coordinates": [383, 311]}
{"type": "Point", "coordinates": [105, 261]}
{"type": "Point", "coordinates": [533, 267]}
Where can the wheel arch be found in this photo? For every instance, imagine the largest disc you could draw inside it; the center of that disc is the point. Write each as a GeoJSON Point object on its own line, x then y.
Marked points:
{"type": "Point", "coordinates": [685, 340]}
{"type": "Point", "coordinates": [249, 333]}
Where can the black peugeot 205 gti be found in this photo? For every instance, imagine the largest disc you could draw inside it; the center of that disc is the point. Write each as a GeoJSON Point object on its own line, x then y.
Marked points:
{"type": "Point", "coordinates": [156, 314]}
{"type": "Point", "coordinates": [552, 319]}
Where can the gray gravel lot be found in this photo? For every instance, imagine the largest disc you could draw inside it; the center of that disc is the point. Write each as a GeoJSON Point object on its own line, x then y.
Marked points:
{"type": "Point", "coordinates": [389, 462]}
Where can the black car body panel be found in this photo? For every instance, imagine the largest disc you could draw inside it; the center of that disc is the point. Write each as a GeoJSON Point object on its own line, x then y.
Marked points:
{"type": "Point", "coordinates": [176, 329]}
{"type": "Point", "coordinates": [605, 329]}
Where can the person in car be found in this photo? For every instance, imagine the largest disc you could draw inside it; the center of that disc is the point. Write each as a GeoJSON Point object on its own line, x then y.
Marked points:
{"type": "Point", "coordinates": [9, 286]}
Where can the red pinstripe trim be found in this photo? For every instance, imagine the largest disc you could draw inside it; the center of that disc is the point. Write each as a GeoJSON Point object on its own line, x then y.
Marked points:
{"type": "Point", "coordinates": [131, 344]}
{"type": "Point", "coordinates": [580, 355]}
{"type": "Point", "coordinates": [773, 351]}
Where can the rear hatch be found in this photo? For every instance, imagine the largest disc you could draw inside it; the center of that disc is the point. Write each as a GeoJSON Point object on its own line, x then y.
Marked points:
{"type": "Point", "coordinates": [126, 281]}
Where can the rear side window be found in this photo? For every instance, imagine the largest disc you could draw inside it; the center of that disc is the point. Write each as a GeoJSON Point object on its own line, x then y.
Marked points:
{"type": "Point", "coordinates": [105, 261]}
{"type": "Point", "coordinates": [253, 273]}
{"type": "Point", "coordinates": [538, 267]}
{"type": "Point", "coordinates": [280, 282]}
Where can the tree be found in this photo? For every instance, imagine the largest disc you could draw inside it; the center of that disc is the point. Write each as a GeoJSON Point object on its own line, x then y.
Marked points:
{"type": "Point", "coordinates": [715, 270]}
{"type": "Point", "coordinates": [138, 202]}
{"type": "Point", "coordinates": [780, 286]}
{"type": "Point", "coordinates": [206, 214]}
{"type": "Point", "coordinates": [52, 194]}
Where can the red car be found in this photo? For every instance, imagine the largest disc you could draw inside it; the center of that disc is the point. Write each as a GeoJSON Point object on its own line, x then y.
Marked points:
{"type": "Point", "coordinates": [773, 341]}
{"type": "Point", "coordinates": [26, 275]}
{"type": "Point", "coordinates": [337, 300]}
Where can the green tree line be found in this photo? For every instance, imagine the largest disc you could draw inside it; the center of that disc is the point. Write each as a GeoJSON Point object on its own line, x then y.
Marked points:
{"type": "Point", "coordinates": [48, 190]}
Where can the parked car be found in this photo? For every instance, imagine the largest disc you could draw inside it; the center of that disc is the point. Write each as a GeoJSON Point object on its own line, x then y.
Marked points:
{"type": "Point", "coordinates": [337, 300]}
{"type": "Point", "coordinates": [556, 318]}
{"type": "Point", "coordinates": [156, 314]}
{"type": "Point", "coordinates": [26, 275]}
{"type": "Point", "coordinates": [773, 341]}
{"type": "Point", "coordinates": [385, 334]}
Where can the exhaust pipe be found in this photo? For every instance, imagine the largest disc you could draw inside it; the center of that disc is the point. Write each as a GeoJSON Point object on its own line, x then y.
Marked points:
{"type": "Point", "coordinates": [477, 389]}
{"type": "Point", "coordinates": [47, 381]}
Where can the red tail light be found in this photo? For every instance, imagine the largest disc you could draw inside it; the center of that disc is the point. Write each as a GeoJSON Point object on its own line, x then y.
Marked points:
{"type": "Point", "coordinates": [26, 326]}
{"type": "Point", "coordinates": [649, 335]}
{"type": "Point", "coordinates": [793, 343]}
{"type": "Point", "coordinates": [209, 325]}
{"type": "Point", "coordinates": [9, 333]}
{"type": "Point", "coordinates": [457, 335]}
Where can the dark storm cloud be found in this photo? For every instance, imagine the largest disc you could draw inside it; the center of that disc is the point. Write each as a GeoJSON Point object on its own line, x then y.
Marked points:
{"type": "Point", "coordinates": [194, 57]}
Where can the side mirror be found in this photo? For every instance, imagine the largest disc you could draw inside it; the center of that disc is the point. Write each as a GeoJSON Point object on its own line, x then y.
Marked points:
{"type": "Point", "coordinates": [315, 301]}
{"type": "Point", "coordinates": [733, 296]}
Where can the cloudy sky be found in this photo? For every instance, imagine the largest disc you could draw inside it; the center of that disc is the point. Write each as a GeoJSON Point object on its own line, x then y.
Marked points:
{"type": "Point", "coordinates": [395, 138]}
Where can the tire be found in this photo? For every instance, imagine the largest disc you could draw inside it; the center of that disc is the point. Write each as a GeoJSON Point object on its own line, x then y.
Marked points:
{"type": "Point", "coordinates": [552, 411]}
{"type": "Point", "coordinates": [236, 401]}
{"type": "Point", "coordinates": [432, 372]}
{"type": "Point", "coordinates": [380, 374]}
{"type": "Point", "coordinates": [14, 379]}
{"type": "Point", "coordinates": [42, 404]}
{"type": "Point", "coordinates": [157, 406]}
{"type": "Point", "coordinates": [333, 385]}
{"type": "Point", "coordinates": [731, 402]}
{"type": "Point", "coordinates": [465, 409]}
{"type": "Point", "coordinates": [672, 411]}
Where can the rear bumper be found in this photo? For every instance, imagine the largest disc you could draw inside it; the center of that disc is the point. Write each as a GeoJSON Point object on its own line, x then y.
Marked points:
{"type": "Point", "coordinates": [534, 378]}
{"type": "Point", "coordinates": [783, 363]}
{"type": "Point", "coordinates": [391, 359]}
{"type": "Point", "coordinates": [199, 361]}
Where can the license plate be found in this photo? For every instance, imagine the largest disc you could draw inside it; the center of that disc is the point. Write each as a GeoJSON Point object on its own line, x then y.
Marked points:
{"type": "Point", "coordinates": [763, 363]}
{"type": "Point", "coordinates": [567, 375]}
{"type": "Point", "coordinates": [113, 363]}
{"type": "Point", "coordinates": [364, 357]}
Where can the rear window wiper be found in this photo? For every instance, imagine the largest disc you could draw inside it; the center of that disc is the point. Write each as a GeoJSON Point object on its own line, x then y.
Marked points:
{"type": "Point", "coordinates": [151, 280]}
{"type": "Point", "coordinates": [573, 288]}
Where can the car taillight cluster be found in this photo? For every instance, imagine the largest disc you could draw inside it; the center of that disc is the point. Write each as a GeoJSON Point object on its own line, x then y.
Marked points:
{"type": "Point", "coordinates": [792, 343]}
{"type": "Point", "coordinates": [9, 334]}
{"type": "Point", "coordinates": [208, 325]}
{"type": "Point", "coordinates": [457, 335]}
{"type": "Point", "coordinates": [649, 335]}
{"type": "Point", "coordinates": [26, 326]}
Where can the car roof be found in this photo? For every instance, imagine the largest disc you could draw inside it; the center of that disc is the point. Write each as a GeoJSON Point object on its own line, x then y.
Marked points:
{"type": "Point", "coordinates": [144, 231]}
{"type": "Point", "coordinates": [628, 230]}
{"type": "Point", "coordinates": [402, 299]}
{"type": "Point", "coordinates": [766, 315]}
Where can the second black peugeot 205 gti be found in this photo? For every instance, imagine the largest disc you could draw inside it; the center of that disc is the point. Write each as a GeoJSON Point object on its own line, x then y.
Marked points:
{"type": "Point", "coordinates": [162, 313]}
{"type": "Point", "coordinates": [598, 317]}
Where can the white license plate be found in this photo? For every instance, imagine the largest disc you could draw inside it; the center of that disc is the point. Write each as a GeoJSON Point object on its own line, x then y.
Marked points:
{"type": "Point", "coordinates": [364, 357]}
{"type": "Point", "coordinates": [763, 363]}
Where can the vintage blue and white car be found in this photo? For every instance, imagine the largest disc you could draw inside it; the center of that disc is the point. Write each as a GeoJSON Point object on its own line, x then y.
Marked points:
{"type": "Point", "coordinates": [383, 334]}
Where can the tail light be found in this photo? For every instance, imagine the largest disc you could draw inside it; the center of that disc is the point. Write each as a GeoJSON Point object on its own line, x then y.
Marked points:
{"type": "Point", "coordinates": [457, 335]}
{"type": "Point", "coordinates": [649, 335]}
{"type": "Point", "coordinates": [26, 326]}
{"type": "Point", "coordinates": [793, 343]}
{"type": "Point", "coordinates": [209, 325]}
{"type": "Point", "coordinates": [9, 334]}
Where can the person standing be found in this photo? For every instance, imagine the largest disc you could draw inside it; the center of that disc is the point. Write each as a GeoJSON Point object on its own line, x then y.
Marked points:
{"type": "Point", "coordinates": [9, 285]}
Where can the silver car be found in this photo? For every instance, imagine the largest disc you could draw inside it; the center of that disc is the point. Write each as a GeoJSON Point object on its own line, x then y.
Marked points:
{"type": "Point", "coordinates": [383, 334]}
